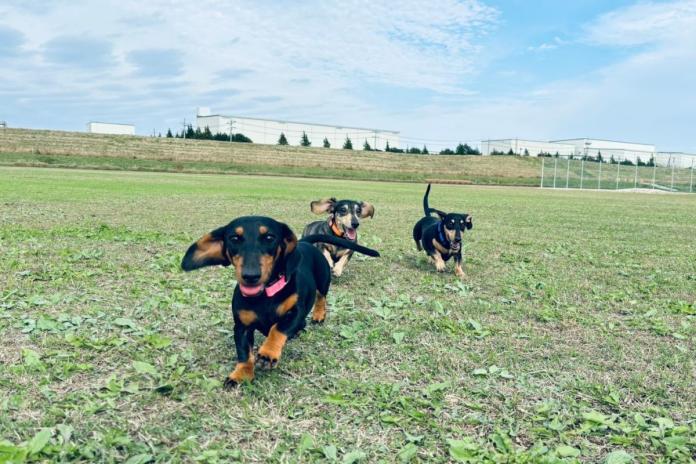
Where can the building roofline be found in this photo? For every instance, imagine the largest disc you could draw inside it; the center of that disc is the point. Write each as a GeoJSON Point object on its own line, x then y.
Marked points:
{"type": "Point", "coordinates": [527, 140]}
{"type": "Point", "coordinates": [606, 140]}
{"type": "Point", "coordinates": [296, 122]}
{"type": "Point", "coordinates": [111, 123]}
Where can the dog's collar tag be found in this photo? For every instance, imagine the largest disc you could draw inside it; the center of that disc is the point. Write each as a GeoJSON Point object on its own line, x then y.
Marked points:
{"type": "Point", "coordinates": [276, 286]}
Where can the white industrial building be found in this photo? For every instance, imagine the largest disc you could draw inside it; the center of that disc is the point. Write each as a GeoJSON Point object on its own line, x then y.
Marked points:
{"type": "Point", "coordinates": [611, 148]}
{"type": "Point", "coordinates": [110, 128]}
{"type": "Point", "coordinates": [526, 147]}
{"type": "Point", "coordinates": [268, 131]}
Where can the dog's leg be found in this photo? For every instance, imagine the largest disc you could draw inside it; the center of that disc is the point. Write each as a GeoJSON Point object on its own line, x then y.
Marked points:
{"type": "Point", "coordinates": [328, 257]}
{"type": "Point", "coordinates": [272, 348]}
{"type": "Point", "coordinates": [244, 370]}
{"type": "Point", "coordinates": [436, 259]}
{"type": "Point", "coordinates": [340, 264]}
{"type": "Point", "coordinates": [458, 265]}
{"type": "Point", "coordinates": [319, 311]}
{"type": "Point", "coordinates": [419, 247]}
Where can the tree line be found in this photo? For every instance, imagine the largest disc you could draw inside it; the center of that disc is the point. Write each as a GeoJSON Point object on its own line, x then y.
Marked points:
{"type": "Point", "coordinates": [206, 134]}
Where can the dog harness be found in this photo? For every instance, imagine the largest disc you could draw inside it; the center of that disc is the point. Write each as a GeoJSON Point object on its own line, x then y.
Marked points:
{"type": "Point", "coordinates": [441, 237]}
{"type": "Point", "coordinates": [276, 286]}
{"type": "Point", "coordinates": [334, 228]}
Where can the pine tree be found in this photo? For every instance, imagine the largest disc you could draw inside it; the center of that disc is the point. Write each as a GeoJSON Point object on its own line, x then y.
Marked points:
{"type": "Point", "coordinates": [386, 147]}
{"type": "Point", "coordinates": [304, 141]}
{"type": "Point", "coordinates": [207, 134]}
{"type": "Point", "coordinates": [460, 150]}
{"type": "Point", "coordinates": [366, 146]}
{"type": "Point", "coordinates": [282, 140]}
{"type": "Point", "coordinates": [169, 134]}
{"type": "Point", "coordinates": [599, 157]}
{"type": "Point", "coordinates": [348, 145]}
{"type": "Point", "coordinates": [425, 150]}
{"type": "Point", "coordinates": [326, 143]}
{"type": "Point", "coordinates": [190, 133]}
{"type": "Point", "coordinates": [526, 152]}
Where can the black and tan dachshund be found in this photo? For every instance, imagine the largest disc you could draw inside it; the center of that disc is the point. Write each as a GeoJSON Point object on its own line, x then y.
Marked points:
{"type": "Point", "coordinates": [344, 220]}
{"type": "Point", "coordinates": [441, 238]}
{"type": "Point", "coordinates": [279, 280]}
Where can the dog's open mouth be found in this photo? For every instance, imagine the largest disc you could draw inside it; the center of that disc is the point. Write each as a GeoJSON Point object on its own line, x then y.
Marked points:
{"type": "Point", "coordinates": [350, 233]}
{"type": "Point", "coordinates": [251, 290]}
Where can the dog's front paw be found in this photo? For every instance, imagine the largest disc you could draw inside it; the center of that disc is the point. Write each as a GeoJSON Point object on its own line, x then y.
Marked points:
{"type": "Point", "coordinates": [337, 271]}
{"type": "Point", "coordinates": [243, 372]}
{"type": "Point", "coordinates": [460, 273]}
{"type": "Point", "coordinates": [440, 266]}
{"type": "Point", "coordinates": [267, 360]}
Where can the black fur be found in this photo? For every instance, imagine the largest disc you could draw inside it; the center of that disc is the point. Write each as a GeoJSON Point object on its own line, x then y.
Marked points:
{"type": "Point", "coordinates": [249, 242]}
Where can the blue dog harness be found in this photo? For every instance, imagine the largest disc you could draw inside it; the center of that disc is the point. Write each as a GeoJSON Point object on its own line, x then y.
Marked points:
{"type": "Point", "coordinates": [442, 238]}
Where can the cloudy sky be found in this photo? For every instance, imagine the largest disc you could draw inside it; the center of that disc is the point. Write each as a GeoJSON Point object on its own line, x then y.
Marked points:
{"type": "Point", "coordinates": [439, 71]}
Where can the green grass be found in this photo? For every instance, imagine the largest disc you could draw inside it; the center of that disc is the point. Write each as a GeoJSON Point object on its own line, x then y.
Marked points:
{"type": "Point", "coordinates": [571, 339]}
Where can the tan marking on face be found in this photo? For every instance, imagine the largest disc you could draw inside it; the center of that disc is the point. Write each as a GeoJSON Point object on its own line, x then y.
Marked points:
{"type": "Point", "coordinates": [247, 317]}
{"type": "Point", "coordinates": [239, 230]}
{"type": "Point", "coordinates": [272, 347]}
{"type": "Point", "coordinates": [450, 234]}
{"type": "Point", "coordinates": [266, 267]}
{"type": "Point", "coordinates": [319, 311]}
{"type": "Point", "coordinates": [238, 262]}
{"type": "Point", "coordinates": [344, 221]}
{"type": "Point", "coordinates": [243, 371]}
{"type": "Point", "coordinates": [263, 230]}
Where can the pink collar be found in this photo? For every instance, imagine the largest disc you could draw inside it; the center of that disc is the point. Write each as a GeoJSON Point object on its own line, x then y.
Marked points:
{"type": "Point", "coordinates": [276, 286]}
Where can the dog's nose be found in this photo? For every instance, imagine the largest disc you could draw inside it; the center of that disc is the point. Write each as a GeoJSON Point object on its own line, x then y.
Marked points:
{"type": "Point", "coordinates": [457, 239]}
{"type": "Point", "coordinates": [251, 277]}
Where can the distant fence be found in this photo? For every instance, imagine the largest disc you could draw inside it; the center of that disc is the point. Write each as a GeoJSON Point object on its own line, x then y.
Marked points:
{"type": "Point", "coordinates": [668, 172]}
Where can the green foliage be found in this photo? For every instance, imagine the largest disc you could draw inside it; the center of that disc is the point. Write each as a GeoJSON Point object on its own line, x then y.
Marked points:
{"type": "Point", "coordinates": [348, 145]}
{"type": "Point", "coordinates": [282, 140]}
{"type": "Point", "coordinates": [326, 143]}
{"type": "Point", "coordinates": [304, 140]}
{"type": "Point", "coordinates": [366, 146]}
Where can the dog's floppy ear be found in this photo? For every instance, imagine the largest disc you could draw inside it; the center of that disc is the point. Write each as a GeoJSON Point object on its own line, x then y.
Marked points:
{"type": "Point", "coordinates": [208, 250]}
{"type": "Point", "coordinates": [367, 210]}
{"type": "Point", "coordinates": [325, 205]}
{"type": "Point", "coordinates": [469, 223]}
{"type": "Point", "coordinates": [289, 239]}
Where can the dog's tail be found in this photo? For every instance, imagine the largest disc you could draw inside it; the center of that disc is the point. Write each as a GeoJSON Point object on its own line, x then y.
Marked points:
{"type": "Point", "coordinates": [426, 209]}
{"type": "Point", "coordinates": [340, 242]}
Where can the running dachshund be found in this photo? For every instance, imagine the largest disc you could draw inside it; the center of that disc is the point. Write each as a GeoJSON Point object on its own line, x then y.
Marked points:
{"type": "Point", "coordinates": [441, 239]}
{"type": "Point", "coordinates": [344, 220]}
{"type": "Point", "coordinates": [279, 280]}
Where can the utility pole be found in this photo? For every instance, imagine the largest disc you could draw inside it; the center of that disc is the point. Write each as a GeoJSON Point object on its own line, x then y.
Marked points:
{"type": "Point", "coordinates": [184, 124]}
{"type": "Point", "coordinates": [231, 123]}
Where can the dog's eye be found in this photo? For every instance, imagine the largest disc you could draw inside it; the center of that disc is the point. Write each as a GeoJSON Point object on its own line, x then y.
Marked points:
{"type": "Point", "coordinates": [268, 238]}
{"type": "Point", "coordinates": [236, 238]}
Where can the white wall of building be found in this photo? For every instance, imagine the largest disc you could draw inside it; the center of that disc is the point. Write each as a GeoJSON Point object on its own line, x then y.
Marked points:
{"type": "Point", "coordinates": [110, 128]}
{"type": "Point", "coordinates": [268, 131]}
{"type": "Point", "coordinates": [533, 147]}
{"type": "Point", "coordinates": [608, 148]}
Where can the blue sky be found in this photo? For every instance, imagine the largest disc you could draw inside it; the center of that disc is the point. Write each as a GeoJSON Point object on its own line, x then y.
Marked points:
{"type": "Point", "coordinates": [440, 72]}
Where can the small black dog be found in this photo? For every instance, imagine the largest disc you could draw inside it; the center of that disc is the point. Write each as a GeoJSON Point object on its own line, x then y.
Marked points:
{"type": "Point", "coordinates": [441, 239]}
{"type": "Point", "coordinates": [279, 280]}
{"type": "Point", "coordinates": [344, 220]}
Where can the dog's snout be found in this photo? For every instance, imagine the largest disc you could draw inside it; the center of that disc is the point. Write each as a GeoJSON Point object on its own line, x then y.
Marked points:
{"type": "Point", "coordinates": [354, 224]}
{"type": "Point", "coordinates": [251, 277]}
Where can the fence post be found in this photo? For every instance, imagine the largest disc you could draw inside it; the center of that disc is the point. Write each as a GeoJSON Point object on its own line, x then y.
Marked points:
{"type": "Point", "coordinates": [567, 172]}
{"type": "Point", "coordinates": [599, 178]}
{"type": "Point", "coordinates": [671, 185]}
{"type": "Point", "coordinates": [618, 167]}
{"type": "Point", "coordinates": [654, 172]}
{"type": "Point", "coordinates": [555, 165]}
{"type": "Point", "coordinates": [582, 171]}
{"type": "Point", "coordinates": [691, 181]}
{"type": "Point", "coordinates": [635, 179]}
{"type": "Point", "coordinates": [542, 173]}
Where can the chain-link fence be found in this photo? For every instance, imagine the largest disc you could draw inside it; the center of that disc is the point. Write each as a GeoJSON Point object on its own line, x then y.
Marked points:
{"type": "Point", "coordinates": [668, 172]}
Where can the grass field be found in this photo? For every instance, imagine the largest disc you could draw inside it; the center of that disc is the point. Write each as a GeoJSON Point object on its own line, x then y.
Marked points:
{"type": "Point", "coordinates": [21, 147]}
{"type": "Point", "coordinates": [571, 339]}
